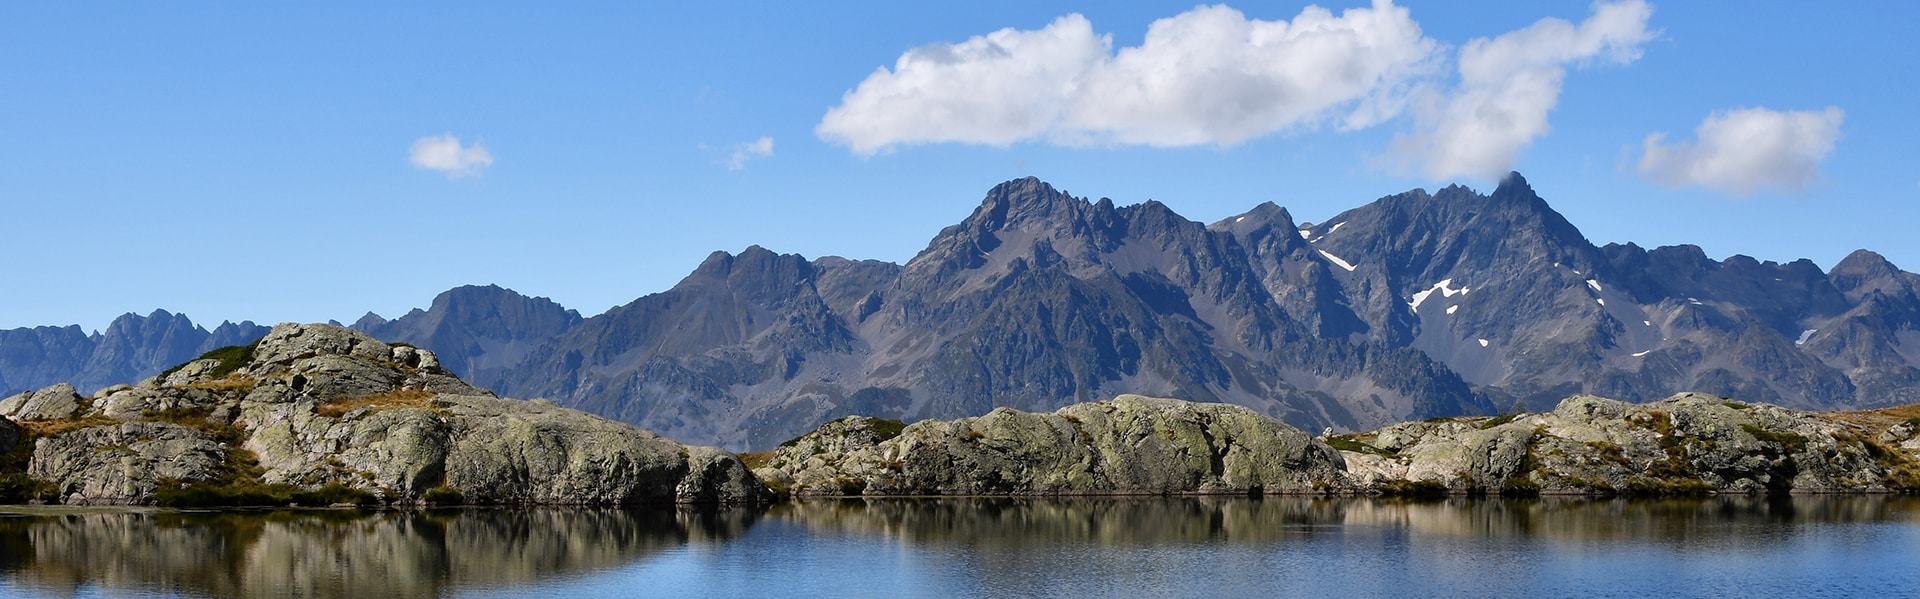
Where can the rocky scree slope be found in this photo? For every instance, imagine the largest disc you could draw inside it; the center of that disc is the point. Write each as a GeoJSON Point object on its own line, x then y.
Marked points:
{"type": "Point", "coordinates": [1685, 445]}
{"type": "Point", "coordinates": [320, 407]}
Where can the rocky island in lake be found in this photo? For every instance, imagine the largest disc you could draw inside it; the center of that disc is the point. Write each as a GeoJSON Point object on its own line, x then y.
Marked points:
{"type": "Point", "coordinates": [1686, 444]}
{"type": "Point", "coordinates": [316, 414]}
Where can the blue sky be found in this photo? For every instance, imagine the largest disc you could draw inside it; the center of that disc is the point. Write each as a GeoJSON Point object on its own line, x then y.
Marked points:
{"type": "Point", "coordinates": [274, 162]}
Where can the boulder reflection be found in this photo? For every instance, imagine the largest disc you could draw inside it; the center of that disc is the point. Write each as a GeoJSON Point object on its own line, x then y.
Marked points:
{"type": "Point", "coordinates": [339, 553]}
{"type": "Point", "coordinates": [1159, 521]}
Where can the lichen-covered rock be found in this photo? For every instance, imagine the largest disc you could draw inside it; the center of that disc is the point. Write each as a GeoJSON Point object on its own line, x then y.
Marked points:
{"type": "Point", "coordinates": [56, 402]}
{"type": "Point", "coordinates": [520, 452]}
{"type": "Point", "coordinates": [717, 476]}
{"type": "Point", "coordinates": [1130, 445]}
{"type": "Point", "coordinates": [400, 452]}
{"type": "Point", "coordinates": [1687, 443]}
{"type": "Point", "coordinates": [317, 405]}
{"type": "Point", "coordinates": [124, 463]}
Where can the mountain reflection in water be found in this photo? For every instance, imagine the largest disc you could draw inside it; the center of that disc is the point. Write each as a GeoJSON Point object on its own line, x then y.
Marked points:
{"type": "Point", "coordinates": [975, 546]}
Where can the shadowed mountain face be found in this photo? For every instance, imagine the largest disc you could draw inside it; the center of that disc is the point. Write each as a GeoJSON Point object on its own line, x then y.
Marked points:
{"type": "Point", "coordinates": [132, 348]}
{"type": "Point", "coordinates": [476, 331]}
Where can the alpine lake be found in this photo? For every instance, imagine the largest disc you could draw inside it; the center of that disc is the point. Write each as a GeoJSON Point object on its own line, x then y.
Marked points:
{"type": "Point", "coordinates": [1786, 546]}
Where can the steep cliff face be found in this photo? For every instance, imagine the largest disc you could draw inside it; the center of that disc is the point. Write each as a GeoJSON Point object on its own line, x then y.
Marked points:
{"type": "Point", "coordinates": [320, 408]}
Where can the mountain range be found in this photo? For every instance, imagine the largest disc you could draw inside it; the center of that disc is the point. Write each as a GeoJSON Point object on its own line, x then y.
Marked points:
{"type": "Point", "coordinates": [1413, 306]}
{"type": "Point", "coordinates": [132, 348]}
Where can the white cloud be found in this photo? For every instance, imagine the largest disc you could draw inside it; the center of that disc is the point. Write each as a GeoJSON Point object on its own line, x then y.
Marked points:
{"type": "Point", "coordinates": [1206, 76]}
{"type": "Point", "coordinates": [742, 152]}
{"type": "Point", "coordinates": [445, 154]}
{"type": "Point", "coordinates": [1507, 86]}
{"type": "Point", "coordinates": [1746, 150]}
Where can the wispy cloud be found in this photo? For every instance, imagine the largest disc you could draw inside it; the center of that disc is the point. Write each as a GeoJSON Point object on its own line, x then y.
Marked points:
{"type": "Point", "coordinates": [1746, 150]}
{"type": "Point", "coordinates": [1507, 86]}
{"type": "Point", "coordinates": [742, 152]}
{"type": "Point", "coordinates": [444, 153]}
{"type": "Point", "coordinates": [1206, 76]}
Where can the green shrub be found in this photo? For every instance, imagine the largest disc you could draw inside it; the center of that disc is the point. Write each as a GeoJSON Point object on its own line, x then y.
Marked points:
{"type": "Point", "coordinates": [197, 419]}
{"type": "Point", "coordinates": [1792, 442]}
{"type": "Point", "coordinates": [1413, 489]}
{"type": "Point", "coordinates": [443, 495]}
{"type": "Point", "coordinates": [1518, 486]}
{"type": "Point", "coordinates": [231, 358]}
{"type": "Point", "coordinates": [1610, 451]}
{"type": "Point", "coordinates": [884, 428]}
{"type": "Point", "coordinates": [1348, 443]}
{"type": "Point", "coordinates": [1498, 420]}
{"type": "Point", "coordinates": [1647, 487]}
{"type": "Point", "coordinates": [15, 485]}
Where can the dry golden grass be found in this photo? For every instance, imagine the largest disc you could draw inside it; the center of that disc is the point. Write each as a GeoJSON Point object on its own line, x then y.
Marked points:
{"type": "Point", "coordinates": [401, 398]}
{"type": "Point", "coordinates": [49, 428]}
{"type": "Point", "coordinates": [231, 382]}
{"type": "Point", "coordinates": [1879, 419]}
{"type": "Point", "coordinates": [758, 459]}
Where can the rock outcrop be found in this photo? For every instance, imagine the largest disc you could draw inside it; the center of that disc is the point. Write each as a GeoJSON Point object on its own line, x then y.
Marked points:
{"type": "Point", "coordinates": [1688, 443]}
{"type": "Point", "coordinates": [52, 403]}
{"type": "Point", "coordinates": [1130, 445]}
{"type": "Point", "coordinates": [317, 406]}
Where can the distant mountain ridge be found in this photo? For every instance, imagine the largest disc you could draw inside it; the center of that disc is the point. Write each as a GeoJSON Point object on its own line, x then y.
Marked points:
{"type": "Point", "coordinates": [132, 348]}
{"type": "Point", "coordinates": [1415, 305]}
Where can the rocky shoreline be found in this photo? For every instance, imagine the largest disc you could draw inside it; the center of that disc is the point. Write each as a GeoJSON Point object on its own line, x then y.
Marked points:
{"type": "Point", "coordinates": [324, 415]}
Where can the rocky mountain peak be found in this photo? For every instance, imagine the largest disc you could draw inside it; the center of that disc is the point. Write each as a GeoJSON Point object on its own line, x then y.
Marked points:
{"type": "Point", "coordinates": [1863, 272]}
{"type": "Point", "coordinates": [1514, 186]}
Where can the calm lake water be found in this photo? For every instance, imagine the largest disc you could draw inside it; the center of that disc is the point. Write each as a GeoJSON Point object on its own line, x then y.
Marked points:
{"type": "Point", "coordinates": [1720, 547]}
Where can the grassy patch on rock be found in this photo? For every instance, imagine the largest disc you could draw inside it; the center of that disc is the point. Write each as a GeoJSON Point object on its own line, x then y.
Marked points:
{"type": "Point", "coordinates": [1499, 420]}
{"type": "Point", "coordinates": [231, 358]}
{"type": "Point", "coordinates": [199, 419]}
{"type": "Point", "coordinates": [231, 383]}
{"type": "Point", "coordinates": [399, 398]}
{"type": "Point", "coordinates": [1349, 443]}
{"type": "Point", "coordinates": [55, 428]}
{"type": "Point", "coordinates": [757, 460]}
{"type": "Point", "coordinates": [1792, 442]}
{"type": "Point", "coordinates": [443, 495]}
